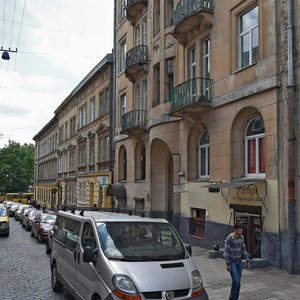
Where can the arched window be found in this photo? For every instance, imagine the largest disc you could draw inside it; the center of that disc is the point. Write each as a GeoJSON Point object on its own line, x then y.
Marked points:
{"type": "Point", "coordinates": [203, 155]}
{"type": "Point", "coordinates": [255, 148]}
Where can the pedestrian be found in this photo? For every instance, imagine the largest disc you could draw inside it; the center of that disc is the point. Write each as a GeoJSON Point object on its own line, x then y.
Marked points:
{"type": "Point", "coordinates": [235, 250]}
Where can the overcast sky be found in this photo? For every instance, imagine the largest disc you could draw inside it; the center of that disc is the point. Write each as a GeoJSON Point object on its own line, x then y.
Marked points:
{"type": "Point", "coordinates": [58, 42]}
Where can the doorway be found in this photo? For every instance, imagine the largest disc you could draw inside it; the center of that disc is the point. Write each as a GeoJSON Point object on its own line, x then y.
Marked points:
{"type": "Point", "coordinates": [252, 232]}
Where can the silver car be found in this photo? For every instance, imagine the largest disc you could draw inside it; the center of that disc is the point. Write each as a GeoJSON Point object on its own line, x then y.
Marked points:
{"type": "Point", "coordinates": [116, 256]}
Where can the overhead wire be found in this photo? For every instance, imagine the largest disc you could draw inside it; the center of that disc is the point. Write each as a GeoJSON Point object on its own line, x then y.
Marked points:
{"type": "Point", "coordinates": [18, 41]}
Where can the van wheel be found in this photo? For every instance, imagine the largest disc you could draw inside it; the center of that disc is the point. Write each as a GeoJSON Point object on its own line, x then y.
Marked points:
{"type": "Point", "coordinates": [48, 250]}
{"type": "Point", "coordinates": [56, 285]}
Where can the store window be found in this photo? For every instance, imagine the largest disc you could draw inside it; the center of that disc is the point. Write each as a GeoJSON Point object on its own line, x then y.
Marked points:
{"type": "Point", "coordinates": [197, 222]}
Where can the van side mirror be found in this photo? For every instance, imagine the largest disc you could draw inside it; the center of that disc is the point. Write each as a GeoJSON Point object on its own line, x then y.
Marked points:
{"type": "Point", "coordinates": [89, 254]}
{"type": "Point", "coordinates": [189, 249]}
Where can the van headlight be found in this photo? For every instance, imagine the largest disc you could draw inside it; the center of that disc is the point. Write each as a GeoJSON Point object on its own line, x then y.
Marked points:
{"type": "Point", "coordinates": [125, 288]}
{"type": "Point", "coordinates": [196, 283]}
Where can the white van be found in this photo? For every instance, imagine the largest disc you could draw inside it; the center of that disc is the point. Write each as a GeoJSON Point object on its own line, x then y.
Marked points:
{"type": "Point", "coordinates": [116, 256]}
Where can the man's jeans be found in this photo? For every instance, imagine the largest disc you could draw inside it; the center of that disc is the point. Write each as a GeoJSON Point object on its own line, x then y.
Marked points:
{"type": "Point", "coordinates": [236, 274]}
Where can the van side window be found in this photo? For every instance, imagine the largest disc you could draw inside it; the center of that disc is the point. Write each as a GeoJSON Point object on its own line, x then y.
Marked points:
{"type": "Point", "coordinates": [67, 231]}
{"type": "Point", "coordinates": [88, 237]}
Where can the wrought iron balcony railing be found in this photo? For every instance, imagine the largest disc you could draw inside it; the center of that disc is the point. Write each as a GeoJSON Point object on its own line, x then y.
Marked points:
{"type": "Point", "coordinates": [135, 119]}
{"type": "Point", "coordinates": [193, 91]}
{"type": "Point", "coordinates": [137, 55]}
{"type": "Point", "coordinates": [187, 7]}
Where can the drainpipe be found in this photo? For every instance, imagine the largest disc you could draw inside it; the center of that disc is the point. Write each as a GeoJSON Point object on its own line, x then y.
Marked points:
{"type": "Point", "coordinates": [112, 105]}
{"type": "Point", "coordinates": [291, 146]}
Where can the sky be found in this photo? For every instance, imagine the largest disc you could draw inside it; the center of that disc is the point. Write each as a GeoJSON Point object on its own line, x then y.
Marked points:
{"type": "Point", "coordinates": [58, 42]}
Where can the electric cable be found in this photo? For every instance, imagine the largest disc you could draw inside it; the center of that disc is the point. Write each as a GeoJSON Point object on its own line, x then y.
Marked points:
{"type": "Point", "coordinates": [19, 34]}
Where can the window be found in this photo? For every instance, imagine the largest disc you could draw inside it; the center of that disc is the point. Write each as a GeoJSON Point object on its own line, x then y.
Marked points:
{"type": "Point", "coordinates": [204, 155]}
{"type": "Point", "coordinates": [122, 56]}
{"type": "Point", "coordinates": [92, 109]}
{"type": "Point", "coordinates": [82, 154]}
{"type": "Point", "coordinates": [140, 33]}
{"type": "Point", "coordinates": [169, 11]}
{"type": "Point", "coordinates": [122, 13]}
{"type": "Point", "coordinates": [255, 148]}
{"type": "Point", "coordinates": [169, 75]}
{"type": "Point", "coordinates": [140, 162]}
{"type": "Point", "coordinates": [122, 166]}
{"type": "Point", "coordinates": [92, 151]}
{"type": "Point", "coordinates": [206, 58]}
{"type": "Point", "coordinates": [248, 38]}
{"type": "Point", "coordinates": [140, 95]}
{"type": "Point", "coordinates": [156, 84]}
{"type": "Point", "coordinates": [122, 105]}
{"type": "Point", "coordinates": [88, 237]}
{"type": "Point", "coordinates": [156, 16]}
{"type": "Point", "coordinates": [197, 222]}
{"type": "Point", "coordinates": [82, 116]}
{"type": "Point", "coordinates": [72, 126]}
{"type": "Point", "coordinates": [66, 130]}
{"type": "Point", "coordinates": [192, 63]}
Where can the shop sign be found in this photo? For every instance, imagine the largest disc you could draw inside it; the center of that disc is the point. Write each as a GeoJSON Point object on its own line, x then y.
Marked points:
{"type": "Point", "coordinates": [179, 188]}
{"type": "Point", "coordinates": [247, 193]}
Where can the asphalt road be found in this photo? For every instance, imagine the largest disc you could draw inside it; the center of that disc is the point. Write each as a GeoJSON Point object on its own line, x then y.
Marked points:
{"type": "Point", "coordinates": [24, 267]}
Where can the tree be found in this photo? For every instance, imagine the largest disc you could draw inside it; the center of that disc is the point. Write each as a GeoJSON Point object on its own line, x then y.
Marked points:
{"type": "Point", "coordinates": [16, 167]}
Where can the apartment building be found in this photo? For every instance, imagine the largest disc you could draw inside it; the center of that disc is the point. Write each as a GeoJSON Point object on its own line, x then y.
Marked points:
{"type": "Point", "coordinates": [84, 165]}
{"type": "Point", "coordinates": [202, 125]}
{"type": "Point", "coordinates": [45, 171]}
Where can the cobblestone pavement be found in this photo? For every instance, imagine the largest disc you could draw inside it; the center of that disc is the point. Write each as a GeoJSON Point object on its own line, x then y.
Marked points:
{"type": "Point", "coordinates": [24, 267]}
{"type": "Point", "coordinates": [257, 284]}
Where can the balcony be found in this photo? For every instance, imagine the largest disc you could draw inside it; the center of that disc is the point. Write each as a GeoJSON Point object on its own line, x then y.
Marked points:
{"type": "Point", "coordinates": [134, 123]}
{"type": "Point", "coordinates": [191, 98]}
{"type": "Point", "coordinates": [192, 18]}
{"type": "Point", "coordinates": [136, 63]}
{"type": "Point", "coordinates": [134, 9]}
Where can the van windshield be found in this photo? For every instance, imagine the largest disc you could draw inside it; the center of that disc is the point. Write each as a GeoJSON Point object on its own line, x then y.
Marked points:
{"type": "Point", "coordinates": [140, 241]}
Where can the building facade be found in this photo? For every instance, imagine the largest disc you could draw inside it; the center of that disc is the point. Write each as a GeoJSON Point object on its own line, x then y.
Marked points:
{"type": "Point", "coordinates": [45, 171]}
{"type": "Point", "coordinates": [203, 136]}
{"type": "Point", "coordinates": [82, 145]}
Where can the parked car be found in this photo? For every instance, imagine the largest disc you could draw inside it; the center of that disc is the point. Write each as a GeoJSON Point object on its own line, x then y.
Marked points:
{"type": "Point", "coordinates": [41, 226]}
{"type": "Point", "coordinates": [19, 210]}
{"type": "Point", "coordinates": [22, 214]}
{"type": "Point", "coordinates": [12, 209]}
{"type": "Point", "coordinates": [4, 221]}
{"type": "Point", "coordinates": [29, 217]}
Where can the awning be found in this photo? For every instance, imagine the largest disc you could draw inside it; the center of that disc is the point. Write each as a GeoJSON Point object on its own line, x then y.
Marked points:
{"type": "Point", "coordinates": [233, 184]}
{"type": "Point", "coordinates": [116, 190]}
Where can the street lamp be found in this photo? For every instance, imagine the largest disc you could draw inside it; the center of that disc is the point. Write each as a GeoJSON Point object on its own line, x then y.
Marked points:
{"type": "Point", "coordinates": [5, 54]}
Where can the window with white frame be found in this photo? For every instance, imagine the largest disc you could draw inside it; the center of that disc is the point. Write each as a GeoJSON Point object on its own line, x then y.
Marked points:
{"type": "Point", "coordinates": [255, 148]}
{"type": "Point", "coordinates": [140, 33]}
{"type": "Point", "coordinates": [92, 109]}
{"type": "Point", "coordinates": [140, 94]}
{"type": "Point", "coordinates": [82, 154]}
{"type": "Point", "coordinates": [203, 155]}
{"type": "Point", "coordinates": [192, 63]}
{"type": "Point", "coordinates": [82, 116]}
{"type": "Point", "coordinates": [248, 37]}
{"type": "Point", "coordinates": [122, 55]}
{"type": "Point", "coordinates": [122, 105]}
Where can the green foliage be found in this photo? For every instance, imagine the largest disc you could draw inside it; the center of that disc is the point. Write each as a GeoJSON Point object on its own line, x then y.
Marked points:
{"type": "Point", "coordinates": [16, 167]}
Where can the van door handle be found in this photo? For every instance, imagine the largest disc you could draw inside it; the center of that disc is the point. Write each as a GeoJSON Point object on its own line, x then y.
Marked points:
{"type": "Point", "coordinates": [78, 257]}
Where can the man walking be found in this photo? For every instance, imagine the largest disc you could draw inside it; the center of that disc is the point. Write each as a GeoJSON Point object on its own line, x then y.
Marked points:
{"type": "Point", "coordinates": [235, 250]}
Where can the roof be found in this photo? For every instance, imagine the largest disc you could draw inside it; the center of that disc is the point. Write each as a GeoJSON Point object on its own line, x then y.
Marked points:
{"type": "Point", "coordinates": [99, 216]}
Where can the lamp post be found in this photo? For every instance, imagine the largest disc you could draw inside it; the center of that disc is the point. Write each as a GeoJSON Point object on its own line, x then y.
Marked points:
{"type": "Point", "coordinates": [5, 54]}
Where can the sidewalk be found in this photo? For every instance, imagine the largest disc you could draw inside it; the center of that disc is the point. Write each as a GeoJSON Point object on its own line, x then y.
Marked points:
{"type": "Point", "coordinates": [257, 284]}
